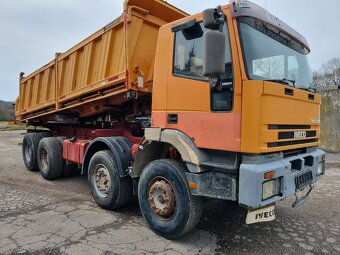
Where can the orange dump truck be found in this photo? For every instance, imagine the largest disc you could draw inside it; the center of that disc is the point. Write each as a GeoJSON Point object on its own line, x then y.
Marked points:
{"type": "Point", "coordinates": [175, 108]}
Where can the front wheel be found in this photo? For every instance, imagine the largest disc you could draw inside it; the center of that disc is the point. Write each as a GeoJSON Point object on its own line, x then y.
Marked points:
{"type": "Point", "coordinates": [165, 200]}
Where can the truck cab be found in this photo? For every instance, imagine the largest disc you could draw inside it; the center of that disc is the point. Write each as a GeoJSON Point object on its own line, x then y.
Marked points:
{"type": "Point", "coordinates": [253, 137]}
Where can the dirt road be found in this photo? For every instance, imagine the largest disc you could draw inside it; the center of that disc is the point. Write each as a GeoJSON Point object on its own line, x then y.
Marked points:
{"type": "Point", "coordinates": [60, 217]}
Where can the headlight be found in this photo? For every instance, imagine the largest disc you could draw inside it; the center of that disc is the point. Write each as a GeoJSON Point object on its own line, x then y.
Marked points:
{"type": "Point", "coordinates": [321, 167]}
{"type": "Point", "coordinates": [268, 189]}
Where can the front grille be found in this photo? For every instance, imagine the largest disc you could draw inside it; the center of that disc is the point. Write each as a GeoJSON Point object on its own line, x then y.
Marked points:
{"type": "Point", "coordinates": [303, 180]}
{"type": "Point", "coordinates": [278, 127]}
{"type": "Point", "coordinates": [279, 144]}
{"type": "Point", "coordinates": [290, 135]}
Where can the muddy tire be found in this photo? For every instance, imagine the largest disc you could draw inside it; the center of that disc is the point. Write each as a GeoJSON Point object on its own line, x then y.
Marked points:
{"type": "Point", "coordinates": [109, 190]}
{"type": "Point", "coordinates": [50, 158]}
{"type": "Point", "coordinates": [165, 199]}
{"type": "Point", "coordinates": [29, 150]}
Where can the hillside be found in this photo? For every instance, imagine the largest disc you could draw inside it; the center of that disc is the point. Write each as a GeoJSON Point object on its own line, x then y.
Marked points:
{"type": "Point", "coordinates": [6, 111]}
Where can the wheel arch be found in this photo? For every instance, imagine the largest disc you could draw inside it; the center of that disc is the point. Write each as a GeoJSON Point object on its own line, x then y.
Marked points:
{"type": "Point", "coordinates": [119, 146]}
{"type": "Point", "coordinates": [156, 142]}
{"type": "Point", "coordinates": [150, 151]}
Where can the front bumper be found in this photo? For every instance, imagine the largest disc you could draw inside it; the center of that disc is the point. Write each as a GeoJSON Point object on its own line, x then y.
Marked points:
{"type": "Point", "coordinates": [292, 174]}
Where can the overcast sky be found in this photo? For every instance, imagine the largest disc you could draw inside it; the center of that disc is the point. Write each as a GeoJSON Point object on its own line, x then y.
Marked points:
{"type": "Point", "coordinates": [31, 31]}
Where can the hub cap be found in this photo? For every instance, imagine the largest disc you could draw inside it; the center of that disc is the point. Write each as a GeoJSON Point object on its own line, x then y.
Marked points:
{"type": "Point", "coordinates": [161, 198]}
{"type": "Point", "coordinates": [102, 180]}
{"type": "Point", "coordinates": [43, 159]}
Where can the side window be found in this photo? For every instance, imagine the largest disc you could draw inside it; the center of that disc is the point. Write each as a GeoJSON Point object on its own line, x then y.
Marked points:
{"type": "Point", "coordinates": [188, 62]}
{"type": "Point", "coordinates": [189, 53]}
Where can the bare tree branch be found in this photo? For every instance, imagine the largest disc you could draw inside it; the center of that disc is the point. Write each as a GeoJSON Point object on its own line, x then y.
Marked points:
{"type": "Point", "coordinates": [329, 75]}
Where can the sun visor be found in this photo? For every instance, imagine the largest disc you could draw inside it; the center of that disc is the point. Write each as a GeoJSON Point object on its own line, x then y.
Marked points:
{"type": "Point", "coordinates": [243, 8]}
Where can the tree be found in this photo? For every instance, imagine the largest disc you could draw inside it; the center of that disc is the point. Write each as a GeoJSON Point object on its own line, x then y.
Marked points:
{"type": "Point", "coordinates": [329, 75]}
{"type": "Point", "coordinates": [271, 67]}
{"type": "Point", "coordinates": [6, 111]}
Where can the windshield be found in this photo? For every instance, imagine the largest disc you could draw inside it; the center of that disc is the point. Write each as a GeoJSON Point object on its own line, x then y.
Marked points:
{"type": "Point", "coordinates": [272, 55]}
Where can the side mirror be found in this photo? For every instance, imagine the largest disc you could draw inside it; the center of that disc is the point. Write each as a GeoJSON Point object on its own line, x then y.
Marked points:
{"type": "Point", "coordinates": [214, 19]}
{"type": "Point", "coordinates": [214, 54]}
{"type": "Point", "coordinates": [209, 19]}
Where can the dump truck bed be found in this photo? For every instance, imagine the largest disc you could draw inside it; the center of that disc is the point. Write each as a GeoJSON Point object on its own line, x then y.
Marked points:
{"type": "Point", "coordinates": [116, 59]}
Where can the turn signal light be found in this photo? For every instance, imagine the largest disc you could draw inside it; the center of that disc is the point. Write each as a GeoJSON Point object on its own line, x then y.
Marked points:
{"type": "Point", "coordinates": [192, 185]}
{"type": "Point", "coordinates": [269, 175]}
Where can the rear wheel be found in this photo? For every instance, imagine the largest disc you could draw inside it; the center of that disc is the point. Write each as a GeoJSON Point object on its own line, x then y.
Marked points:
{"type": "Point", "coordinates": [50, 158]}
{"type": "Point", "coordinates": [109, 190]}
{"type": "Point", "coordinates": [165, 200]}
{"type": "Point", "coordinates": [29, 150]}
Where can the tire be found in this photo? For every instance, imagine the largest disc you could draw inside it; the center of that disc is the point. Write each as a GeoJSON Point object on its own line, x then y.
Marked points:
{"type": "Point", "coordinates": [161, 182]}
{"type": "Point", "coordinates": [29, 150]}
{"type": "Point", "coordinates": [50, 158]}
{"type": "Point", "coordinates": [109, 190]}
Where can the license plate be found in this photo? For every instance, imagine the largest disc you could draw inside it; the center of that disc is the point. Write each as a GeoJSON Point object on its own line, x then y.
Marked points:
{"type": "Point", "coordinates": [261, 215]}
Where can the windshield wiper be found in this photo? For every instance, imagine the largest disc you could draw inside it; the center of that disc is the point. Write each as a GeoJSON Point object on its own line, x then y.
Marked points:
{"type": "Point", "coordinates": [309, 89]}
{"type": "Point", "coordinates": [291, 82]}
{"type": "Point", "coordinates": [283, 81]}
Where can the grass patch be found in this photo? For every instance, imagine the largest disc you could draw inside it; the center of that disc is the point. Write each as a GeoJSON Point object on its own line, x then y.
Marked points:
{"type": "Point", "coordinates": [15, 127]}
{"type": "Point", "coordinates": [8, 126]}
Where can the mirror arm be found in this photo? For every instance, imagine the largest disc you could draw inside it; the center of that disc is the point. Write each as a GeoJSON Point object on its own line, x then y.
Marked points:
{"type": "Point", "coordinates": [216, 83]}
{"type": "Point", "coordinates": [221, 18]}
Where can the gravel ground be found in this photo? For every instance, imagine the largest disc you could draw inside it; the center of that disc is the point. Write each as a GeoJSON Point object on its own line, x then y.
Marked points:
{"type": "Point", "coordinates": [60, 217]}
